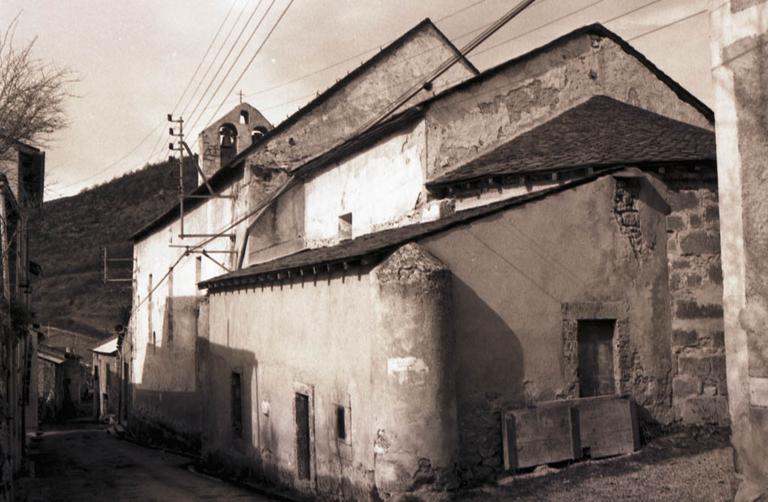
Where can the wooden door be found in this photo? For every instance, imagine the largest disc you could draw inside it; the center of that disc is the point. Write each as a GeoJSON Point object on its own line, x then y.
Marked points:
{"type": "Point", "coordinates": [303, 451]}
{"type": "Point", "coordinates": [595, 338]}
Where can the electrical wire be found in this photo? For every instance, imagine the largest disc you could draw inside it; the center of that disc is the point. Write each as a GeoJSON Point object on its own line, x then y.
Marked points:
{"type": "Point", "coordinates": [250, 61]}
{"type": "Point", "coordinates": [292, 181]}
{"type": "Point", "coordinates": [158, 145]}
{"type": "Point", "coordinates": [207, 51]}
{"type": "Point", "coordinates": [224, 61]}
{"type": "Point", "coordinates": [213, 61]}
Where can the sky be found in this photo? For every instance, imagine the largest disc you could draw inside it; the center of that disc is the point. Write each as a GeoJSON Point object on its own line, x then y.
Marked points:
{"type": "Point", "coordinates": [134, 58]}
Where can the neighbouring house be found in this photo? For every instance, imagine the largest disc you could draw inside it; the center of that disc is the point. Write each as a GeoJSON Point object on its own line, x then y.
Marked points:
{"type": "Point", "coordinates": [80, 345]}
{"type": "Point", "coordinates": [71, 341]}
{"type": "Point", "coordinates": [61, 379]}
{"type": "Point", "coordinates": [22, 171]}
{"type": "Point", "coordinates": [107, 380]}
{"type": "Point", "coordinates": [546, 230]}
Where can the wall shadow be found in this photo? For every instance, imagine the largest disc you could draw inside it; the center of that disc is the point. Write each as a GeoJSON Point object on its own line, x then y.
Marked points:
{"type": "Point", "coordinates": [489, 379]}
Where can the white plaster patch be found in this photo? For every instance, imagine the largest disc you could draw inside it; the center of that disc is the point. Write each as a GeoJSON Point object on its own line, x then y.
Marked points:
{"type": "Point", "coordinates": [758, 391]}
{"type": "Point", "coordinates": [407, 369]}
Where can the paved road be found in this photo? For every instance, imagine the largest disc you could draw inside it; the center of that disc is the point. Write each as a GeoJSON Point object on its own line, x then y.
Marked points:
{"type": "Point", "coordinates": [83, 462]}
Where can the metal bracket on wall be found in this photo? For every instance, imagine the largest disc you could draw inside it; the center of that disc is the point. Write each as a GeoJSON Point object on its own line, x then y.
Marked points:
{"type": "Point", "coordinates": [200, 251]}
{"type": "Point", "coordinates": [185, 236]}
{"type": "Point", "coordinates": [214, 260]}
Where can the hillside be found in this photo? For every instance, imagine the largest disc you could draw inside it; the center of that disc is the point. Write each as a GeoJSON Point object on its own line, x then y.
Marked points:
{"type": "Point", "coordinates": [67, 237]}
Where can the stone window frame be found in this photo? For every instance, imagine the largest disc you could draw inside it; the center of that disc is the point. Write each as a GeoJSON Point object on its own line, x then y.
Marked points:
{"type": "Point", "coordinates": [572, 313]}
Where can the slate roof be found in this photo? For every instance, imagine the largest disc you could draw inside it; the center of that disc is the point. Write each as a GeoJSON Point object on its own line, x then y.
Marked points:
{"type": "Point", "coordinates": [597, 133]}
{"type": "Point", "coordinates": [377, 242]}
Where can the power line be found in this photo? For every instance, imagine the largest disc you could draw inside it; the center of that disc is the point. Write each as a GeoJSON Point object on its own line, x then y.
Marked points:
{"type": "Point", "coordinates": [158, 145]}
{"type": "Point", "coordinates": [250, 61]}
{"type": "Point", "coordinates": [435, 47]}
{"type": "Point", "coordinates": [208, 50]}
{"type": "Point", "coordinates": [223, 61]}
{"type": "Point", "coordinates": [291, 181]}
{"type": "Point", "coordinates": [372, 49]}
{"type": "Point", "coordinates": [682, 19]}
{"type": "Point", "coordinates": [484, 50]}
{"type": "Point", "coordinates": [516, 37]}
{"type": "Point", "coordinates": [211, 63]}
{"type": "Point", "coordinates": [450, 83]}
{"type": "Point", "coordinates": [162, 123]}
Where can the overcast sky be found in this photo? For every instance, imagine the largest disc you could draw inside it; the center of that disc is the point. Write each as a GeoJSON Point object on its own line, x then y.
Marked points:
{"type": "Point", "coordinates": [135, 57]}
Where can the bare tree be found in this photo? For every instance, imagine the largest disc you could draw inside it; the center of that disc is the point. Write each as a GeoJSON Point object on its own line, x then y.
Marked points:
{"type": "Point", "coordinates": [32, 94]}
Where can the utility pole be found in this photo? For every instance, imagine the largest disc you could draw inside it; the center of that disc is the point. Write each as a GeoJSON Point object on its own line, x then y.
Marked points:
{"type": "Point", "coordinates": [178, 146]}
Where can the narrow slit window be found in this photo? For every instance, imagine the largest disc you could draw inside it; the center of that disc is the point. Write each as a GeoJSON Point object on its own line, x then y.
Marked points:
{"type": "Point", "coordinates": [345, 226]}
{"type": "Point", "coordinates": [302, 436]}
{"type": "Point", "coordinates": [237, 405]}
{"type": "Point", "coordinates": [243, 117]}
{"type": "Point", "coordinates": [341, 424]}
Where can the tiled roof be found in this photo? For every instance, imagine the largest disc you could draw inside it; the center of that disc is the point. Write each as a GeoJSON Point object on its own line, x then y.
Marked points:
{"type": "Point", "coordinates": [600, 132]}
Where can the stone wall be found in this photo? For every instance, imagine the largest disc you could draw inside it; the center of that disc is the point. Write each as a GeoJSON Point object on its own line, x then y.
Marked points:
{"type": "Point", "coordinates": [695, 284]}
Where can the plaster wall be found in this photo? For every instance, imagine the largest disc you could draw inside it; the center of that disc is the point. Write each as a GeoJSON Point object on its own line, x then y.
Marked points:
{"type": "Point", "coordinates": [279, 230]}
{"type": "Point", "coordinates": [378, 186]}
{"type": "Point", "coordinates": [739, 52]}
{"type": "Point", "coordinates": [325, 350]}
{"type": "Point", "coordinates": [483, 115]}
{"type": "Point", "coordinates": [163, 330]}
{"type": "Point", "coordinates": [514, 280]}
{"type": "Point", "coordinates": [377, 344]}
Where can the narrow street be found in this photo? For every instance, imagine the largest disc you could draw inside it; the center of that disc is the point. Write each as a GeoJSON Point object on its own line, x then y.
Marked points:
{"type": "Point", "coordinates": [81, 461]}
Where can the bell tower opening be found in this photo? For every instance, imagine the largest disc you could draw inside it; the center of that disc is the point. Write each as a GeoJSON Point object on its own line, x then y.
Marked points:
{"type": "Point", "coordinates": [227, 143]}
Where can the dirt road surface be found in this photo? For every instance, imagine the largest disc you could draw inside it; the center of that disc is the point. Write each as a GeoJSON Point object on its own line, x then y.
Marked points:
{"type": "Point", "coordinates": [82, 462]}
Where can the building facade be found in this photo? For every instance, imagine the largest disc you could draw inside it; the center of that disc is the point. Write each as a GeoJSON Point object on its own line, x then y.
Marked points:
{"type": "Point", "coordinates": [22, 170]}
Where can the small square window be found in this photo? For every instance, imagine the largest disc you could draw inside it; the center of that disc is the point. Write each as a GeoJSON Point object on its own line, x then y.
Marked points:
{"type": "Point", "coordinates": [345, 226]}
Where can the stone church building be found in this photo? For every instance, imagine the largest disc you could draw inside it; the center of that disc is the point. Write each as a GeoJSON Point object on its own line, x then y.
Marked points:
{"type": "Point", "coordinates": [374, 303]}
